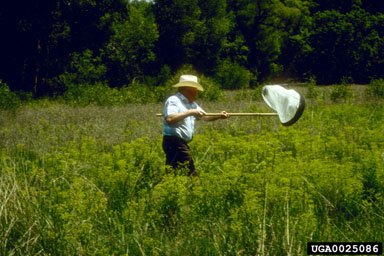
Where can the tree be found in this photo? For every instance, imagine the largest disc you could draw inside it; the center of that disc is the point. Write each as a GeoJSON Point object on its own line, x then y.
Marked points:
{"type": "Point", "coordinates": [129, 52]}
{"type": "Point", "coordinates": [210, 36]}
{"type": "Point", "coordinates": [346, 45]}
{"type": "Point", "coordinates": [178, 21]}
{"type": "Point", "coordinates": [374, 7]}
{"type": "Point", "coordinates": [42, 35]}
{"type": "Point", "coordinates": [342, 6]}
{"type": "Point", "coordinates": [32, 42]}
{"type": "Point", "coordinates": [262, 27]}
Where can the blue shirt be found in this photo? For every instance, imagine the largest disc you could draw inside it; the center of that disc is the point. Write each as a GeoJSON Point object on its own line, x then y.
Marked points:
{"type": "Point", "coordinates": [185, 128]}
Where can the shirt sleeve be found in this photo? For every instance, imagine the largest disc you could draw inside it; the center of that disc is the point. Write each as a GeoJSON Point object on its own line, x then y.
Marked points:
{"type": "Point", "coordinates": [171, 106]}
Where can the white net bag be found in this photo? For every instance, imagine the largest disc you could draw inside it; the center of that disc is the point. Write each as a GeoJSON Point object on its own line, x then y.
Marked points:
{"type": "Point", "coordinates": [288, 104]}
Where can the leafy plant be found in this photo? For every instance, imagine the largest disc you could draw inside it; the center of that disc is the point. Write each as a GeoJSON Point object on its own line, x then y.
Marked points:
{"type": "Point", "coordinates": [376, 88]}
{"type": "Point", "coordinates": [212, 90]}
{"type": "Point", "coordinates": [8, 99]}
{"type": "Point", "coordinates": [312, 92]}
{"type": "Point", "coordinates": [232, 76]}
{"type": "Point", "coordinates": [341, 92]}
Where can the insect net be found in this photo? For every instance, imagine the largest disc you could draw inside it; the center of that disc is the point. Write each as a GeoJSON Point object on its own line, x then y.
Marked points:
{"type": "Point", "coordinates": [288, 104]}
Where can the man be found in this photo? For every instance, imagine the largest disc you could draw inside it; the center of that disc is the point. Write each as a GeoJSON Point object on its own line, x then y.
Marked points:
{"type": "Point", "coordinates": [180, 113]}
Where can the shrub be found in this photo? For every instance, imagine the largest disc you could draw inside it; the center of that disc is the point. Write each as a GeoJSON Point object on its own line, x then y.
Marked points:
{"type": "Point", "coordinates": [160, 79]}
{"type": "Point", "coordinates": [8, 99]}
{"type": "Point", "coordinates": [102, 95]}
{"type": "Point", "coordinates": [84, 81]}
{"type": "Point", "coordinates": [211, 89]}
{"type": "Point", "coordinates": [97, 94]}
{"type": "Point", "coordinates": [312, 91]}
{"type": "Point", "coordinates": [341, 92]}
{"type": "Point", "coordinates": [85, 69]}
{"type": "Point", "coordinates": [141, 93]}
{"type": "Point", "coordinates": [232, 76]}
{"type": "Point", "coordinates": [376, 88]}
{"type": "Point", "coordinates": [86, 84]}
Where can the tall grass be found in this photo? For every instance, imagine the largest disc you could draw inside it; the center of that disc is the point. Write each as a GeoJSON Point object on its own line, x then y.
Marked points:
{"type": "Point", "coordinates": [92, 181]}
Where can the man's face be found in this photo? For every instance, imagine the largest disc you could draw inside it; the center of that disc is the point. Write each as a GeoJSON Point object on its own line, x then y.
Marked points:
{"type": "Point", "coordinates": [190, 93]}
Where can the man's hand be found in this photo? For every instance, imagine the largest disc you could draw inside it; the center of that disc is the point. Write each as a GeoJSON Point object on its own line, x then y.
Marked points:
{"type": "Point", "coordinates": [224, 115]}
{"type": "Point", "coordinates": [197, 113]}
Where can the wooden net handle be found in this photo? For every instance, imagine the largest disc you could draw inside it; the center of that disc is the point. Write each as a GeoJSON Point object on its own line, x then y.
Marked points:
{"type": "Point", "coordinates": [237, 114]}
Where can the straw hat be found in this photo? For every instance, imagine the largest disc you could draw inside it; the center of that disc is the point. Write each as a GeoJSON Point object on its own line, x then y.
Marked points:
{"type": "Point", "coordinates": [189, 81]}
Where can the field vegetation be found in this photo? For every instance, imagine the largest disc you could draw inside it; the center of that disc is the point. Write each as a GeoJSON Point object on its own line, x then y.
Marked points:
{"type": "Point", "coordinates": [80, 179]}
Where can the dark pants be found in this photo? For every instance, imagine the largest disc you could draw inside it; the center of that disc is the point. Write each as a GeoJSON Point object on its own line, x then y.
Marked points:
{"type": "Point", "coordinates": [178, 154]}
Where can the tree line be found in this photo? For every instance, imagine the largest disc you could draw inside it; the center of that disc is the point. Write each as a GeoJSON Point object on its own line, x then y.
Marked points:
{"type": "Point", "coordinates": [49, 46]}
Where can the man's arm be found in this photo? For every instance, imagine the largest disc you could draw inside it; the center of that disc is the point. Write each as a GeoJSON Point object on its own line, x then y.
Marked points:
{"type": "Point", "coordinates": [223, 115]}
{"type": "Point", "coordinates": [177, 117]}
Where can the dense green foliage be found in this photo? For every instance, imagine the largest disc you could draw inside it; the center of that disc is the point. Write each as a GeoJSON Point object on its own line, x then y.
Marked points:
{"type": "Point", "coordinates": [8, 99]}
{"type": "Point", "coordinates": [92, 181]}
{"type": "Point", "coordinates": [346, 45]}
{"type": "Point", "coordinates": [48, 45]}
{"type": "Point", "coordinates": [376, 88]}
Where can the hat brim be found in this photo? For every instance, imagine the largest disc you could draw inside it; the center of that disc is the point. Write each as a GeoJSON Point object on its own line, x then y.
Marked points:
{"type": "Point", "coordinates": [189, 84]}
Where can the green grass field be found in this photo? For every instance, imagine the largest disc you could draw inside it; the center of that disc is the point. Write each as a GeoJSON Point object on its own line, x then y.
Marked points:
{"type": "Point", "coordinates": [92, 181]}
